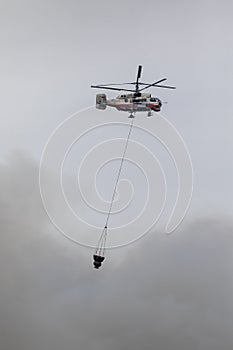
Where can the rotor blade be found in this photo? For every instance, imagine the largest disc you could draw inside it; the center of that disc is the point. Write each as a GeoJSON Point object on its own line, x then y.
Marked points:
{"type": "Point", "coordinates": [164, 86]}
{"type": "Point", "coordinates": [139, 72]}
{"type": "Point", "coordinates": [153, 84]}
{"type": "Point", "coordinates": [138, 77]}
{"type": "Point", "coordinates": [159, 81]}
{"type": "Point", "coordinates": [110, 88]}
{"type": "Point", "coordinates": [143, 83]}
{"type": "Point", "coordinates": [116, 84]}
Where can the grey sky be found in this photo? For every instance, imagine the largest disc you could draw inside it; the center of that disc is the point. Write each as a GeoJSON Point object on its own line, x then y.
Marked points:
{"type": "Point", "coordinates": [163, 292]}
{"type": "Point", "coordinates": [51, 52]}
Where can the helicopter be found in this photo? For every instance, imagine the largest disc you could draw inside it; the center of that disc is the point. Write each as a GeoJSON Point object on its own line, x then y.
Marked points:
{"type": "Point", "coordinates": [134, 100]}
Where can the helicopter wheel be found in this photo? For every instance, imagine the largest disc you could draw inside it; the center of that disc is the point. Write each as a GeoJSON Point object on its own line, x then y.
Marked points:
{"type": "Point", "coordinates": [149, 114]}
{"type": "Point", "coordinates": [131, 116]}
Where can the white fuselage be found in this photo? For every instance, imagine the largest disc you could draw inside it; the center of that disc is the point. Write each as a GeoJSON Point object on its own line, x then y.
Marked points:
{"type": "Point", "coordinates": [130, 103]}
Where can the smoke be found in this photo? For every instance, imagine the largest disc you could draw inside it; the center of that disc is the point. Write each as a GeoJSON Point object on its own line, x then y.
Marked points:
{"type": "Point", "coordinates": [160, 293]}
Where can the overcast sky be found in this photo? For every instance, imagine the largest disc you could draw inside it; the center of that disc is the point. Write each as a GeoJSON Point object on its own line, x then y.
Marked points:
{"type": "Point", "coordinates": [163, 292]}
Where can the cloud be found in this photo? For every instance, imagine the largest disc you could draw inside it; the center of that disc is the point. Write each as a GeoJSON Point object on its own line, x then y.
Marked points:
{"type": "Point", "coordinates": [160, 293]}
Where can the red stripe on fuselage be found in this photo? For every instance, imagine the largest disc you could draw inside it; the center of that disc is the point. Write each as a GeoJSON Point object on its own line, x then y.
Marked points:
{"type": "Point", "coordinates": [133, 106]}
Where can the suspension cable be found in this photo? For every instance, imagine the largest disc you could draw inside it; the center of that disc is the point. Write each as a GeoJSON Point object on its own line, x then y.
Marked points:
{"type": "Point", "coordinates": [102, 241]}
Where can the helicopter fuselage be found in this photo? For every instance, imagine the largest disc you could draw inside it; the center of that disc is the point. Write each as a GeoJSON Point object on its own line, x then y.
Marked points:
{"type": "Point", "coordinates": [130, 102]}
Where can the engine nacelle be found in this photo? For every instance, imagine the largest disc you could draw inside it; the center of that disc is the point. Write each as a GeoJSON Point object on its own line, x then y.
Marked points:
{"type": "Point", "coordinates": [101, 101]}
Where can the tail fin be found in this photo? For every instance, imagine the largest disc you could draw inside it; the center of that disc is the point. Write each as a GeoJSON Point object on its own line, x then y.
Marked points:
{"type": "Point", "coordinates": [101, 101]}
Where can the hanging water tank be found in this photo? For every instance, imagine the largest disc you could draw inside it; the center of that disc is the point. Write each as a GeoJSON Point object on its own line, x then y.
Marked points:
{"type": "Point", "coordinates": [98, 259]}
